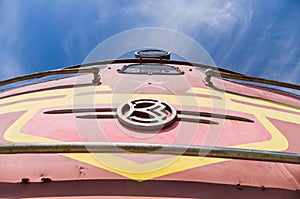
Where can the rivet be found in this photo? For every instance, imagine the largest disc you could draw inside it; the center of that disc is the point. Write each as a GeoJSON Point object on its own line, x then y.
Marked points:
{"type": "Point", "coordinates": [25, 180]}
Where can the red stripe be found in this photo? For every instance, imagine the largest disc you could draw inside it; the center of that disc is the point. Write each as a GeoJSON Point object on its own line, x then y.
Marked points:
{"type": "Point", "coordinates": [264, 106]}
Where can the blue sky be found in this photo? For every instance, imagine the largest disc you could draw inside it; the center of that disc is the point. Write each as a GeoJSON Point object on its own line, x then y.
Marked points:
{"type": "Point", "coordinates": [255, 37]}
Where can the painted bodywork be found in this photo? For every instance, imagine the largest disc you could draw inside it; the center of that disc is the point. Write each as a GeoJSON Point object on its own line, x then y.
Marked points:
{"type": "Point", "coordinates": [275, 127]}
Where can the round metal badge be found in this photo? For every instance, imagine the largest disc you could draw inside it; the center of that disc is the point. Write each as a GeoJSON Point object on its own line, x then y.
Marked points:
{"type": "Point", "coordinates": [146, 114]}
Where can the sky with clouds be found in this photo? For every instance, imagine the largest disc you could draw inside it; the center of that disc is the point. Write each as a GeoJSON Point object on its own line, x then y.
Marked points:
{"type": "Point", "coordinates": [255, 37]}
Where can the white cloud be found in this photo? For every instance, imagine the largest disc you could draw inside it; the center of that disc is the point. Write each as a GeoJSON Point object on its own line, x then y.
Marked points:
{"type": "Point", "coordinates": [214, 21]}
{"type": "Point", "coordinates": [184, 14]}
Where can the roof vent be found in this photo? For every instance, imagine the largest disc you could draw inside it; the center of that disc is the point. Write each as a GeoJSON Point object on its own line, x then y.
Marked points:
{"type": "Point", "coordinates": [152, 53]}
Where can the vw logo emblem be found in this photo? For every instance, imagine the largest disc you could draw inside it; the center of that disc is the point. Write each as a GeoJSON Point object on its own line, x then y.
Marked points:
{"type": "Point", "coordinates": [146, 114]}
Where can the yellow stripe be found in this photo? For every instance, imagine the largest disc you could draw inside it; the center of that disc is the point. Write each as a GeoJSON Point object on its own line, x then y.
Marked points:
{"type": "Point", "coordinates": [157, 168]}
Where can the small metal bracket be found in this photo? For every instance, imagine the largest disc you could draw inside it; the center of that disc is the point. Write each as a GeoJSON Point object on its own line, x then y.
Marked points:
{"type": "Point", "coordinates": [96, 78]}
{"type": "Point", "coordinates": [208, 74]}
{"type": "Point", "coordinates": [96, 75]}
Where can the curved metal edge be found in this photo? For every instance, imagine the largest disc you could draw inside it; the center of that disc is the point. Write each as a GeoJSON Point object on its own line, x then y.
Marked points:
{"type": "Point", "coordinates": [151, 60]}
{"type": "Point", "coordinates": [210, 73]}
{"type": "Point", "coordinates": [93, 70]}
{"type": "Point", "coordinates": [144, 148]}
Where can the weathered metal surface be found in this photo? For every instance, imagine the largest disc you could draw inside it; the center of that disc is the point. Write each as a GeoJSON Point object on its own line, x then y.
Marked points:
{"type": "Point", "coordinates": [131, 189]}
{"type": "Point", "coordinates": [248, 118]}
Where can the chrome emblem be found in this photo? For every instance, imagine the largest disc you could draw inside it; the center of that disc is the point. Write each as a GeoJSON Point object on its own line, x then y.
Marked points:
{"type": "Point", "coordinates": [146, 114]}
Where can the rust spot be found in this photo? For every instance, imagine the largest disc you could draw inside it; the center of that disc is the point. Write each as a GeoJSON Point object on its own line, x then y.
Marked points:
{"type": "Point", "coordinates": [46, 180]}
{"type": "Point", "coordinates": [25, 180]}
{"type": "Point", "coordinates": [81, 171]}
{"type": "Point", "coordinates": [239, 187]}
